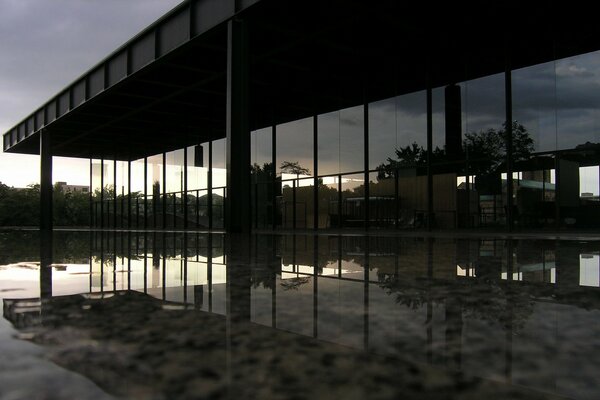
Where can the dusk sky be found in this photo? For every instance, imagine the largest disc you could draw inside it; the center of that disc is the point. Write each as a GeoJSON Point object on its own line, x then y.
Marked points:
{"type": "Point", "coordinates": [46, 45]}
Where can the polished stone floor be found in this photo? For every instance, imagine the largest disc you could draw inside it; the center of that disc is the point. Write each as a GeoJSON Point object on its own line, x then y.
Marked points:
{"type": "Point", "coordinates": [173, 315]}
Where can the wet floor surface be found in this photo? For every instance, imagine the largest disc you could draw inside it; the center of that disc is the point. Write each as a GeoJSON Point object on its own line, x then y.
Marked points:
{"type": "Point", "coordinates": [173, 315]}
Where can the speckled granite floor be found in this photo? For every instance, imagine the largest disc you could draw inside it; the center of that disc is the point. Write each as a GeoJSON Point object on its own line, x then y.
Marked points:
{"type": "Point", "coordinates": [167, 316]}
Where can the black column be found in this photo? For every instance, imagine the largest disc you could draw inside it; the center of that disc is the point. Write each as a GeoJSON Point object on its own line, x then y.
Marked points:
{"type": "Point", "coordinates": [238, 130]}
{"type": "Point", "coordinates": [453, 114]}
{"type": "Point", "coordinates": [509, 147]}
{"type": "Point", "coordinates": [184, 197]}
{"type": "Point", "coordinates": [315, 173]}
{"type": "Point", "coordinates": [429, 158]}
{"type": "Point", "coordinates": [45, 215]}
{"type": "Point", "coordinates": [91, 194]}
{"type": "Point", "coordinates": [366, 162]}
{"type": "Point", "coordinates": [129, 194]}
{"type": "Point", "coordinates": [45, 181]}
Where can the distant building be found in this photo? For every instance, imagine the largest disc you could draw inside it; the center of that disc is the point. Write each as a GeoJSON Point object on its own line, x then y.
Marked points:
{"type": "Point", "coordinates": [65, 188]}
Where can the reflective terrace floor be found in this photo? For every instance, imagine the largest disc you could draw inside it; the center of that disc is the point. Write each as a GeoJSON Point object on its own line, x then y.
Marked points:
{"type": "Point", "coordinates": [173, 315]}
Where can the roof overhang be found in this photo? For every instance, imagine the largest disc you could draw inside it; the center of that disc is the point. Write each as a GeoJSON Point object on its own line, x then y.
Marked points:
{"type": "Point", "coordinates": [166, 88]}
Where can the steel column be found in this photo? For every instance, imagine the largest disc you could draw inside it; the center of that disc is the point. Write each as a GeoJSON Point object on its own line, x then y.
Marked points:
{"type": "Point", "coordinates": [238, 129]}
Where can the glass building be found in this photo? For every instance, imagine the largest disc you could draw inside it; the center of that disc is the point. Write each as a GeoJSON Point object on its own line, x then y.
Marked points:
{"type": "Point", "coordinates": [254, 114]}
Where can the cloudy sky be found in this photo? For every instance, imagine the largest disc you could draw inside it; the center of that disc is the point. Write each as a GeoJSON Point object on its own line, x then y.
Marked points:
{"type": "Point", "coordinates": [45, 45]}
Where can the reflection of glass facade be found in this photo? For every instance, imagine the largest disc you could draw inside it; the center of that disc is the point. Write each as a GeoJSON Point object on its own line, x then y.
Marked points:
{"type": "Point", "coordinates": [479, 306]}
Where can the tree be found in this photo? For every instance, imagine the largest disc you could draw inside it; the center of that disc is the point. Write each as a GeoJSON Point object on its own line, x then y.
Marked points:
{"type": "Point", "coordinates": [293, 167]}
{"type": "Point", "coordinates": [486, 150]}
{"type": "Point", "coordinates": [409, 156]}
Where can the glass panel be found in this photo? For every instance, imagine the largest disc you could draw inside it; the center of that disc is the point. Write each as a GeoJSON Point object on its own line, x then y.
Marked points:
{"type": "Point", "coordinates": [137, 193]}
{"type": "Point", "coordinates": [286, 203]}
{"type": "Point", "coordinates": [295, 148]}
{"type": "Point", "coordinates": [154, 190]}
{"type": "Point", "coordinates": [108, 193]}
{"type": "Point", "coordinates": [304, 203]}
{"type": "Point", "coordinates": [382, 201]}
{"type": "Point", "coordinates": [353, 201]}
{"type": "Point", "coordinates": [578, 121]}
{"type": "Point", "coordinates": [96, 192]}
{"type": "Point", "coordinates": [219, 181]}
{"type": "Point", "coordinates": [175, 186]}
{"type": "Point", "coordinates": [534, 104]}
{"type": "Point", "coordinates": [122, 187]}
{"type": "Point", "coordinates": [534, 181]}
{"type": "Point", "coordinates": [197, 196]}
{"type": "Point", "coordinates": [329, 143]}
{"type": "Point", "coordinates": [294, 162]}
{"type": "Point", "coordinates": [577, 101]}
{"type": "Point", "coordinates": [485, 151]}
{"type": "Point", "coordinates": [351, 141]}
{"type": "Point", "coordinates": [329, 213]}
{"type": "Point", "coordinates": [262, 178]}
{"type": "Point", "coordinates": [382, 132]}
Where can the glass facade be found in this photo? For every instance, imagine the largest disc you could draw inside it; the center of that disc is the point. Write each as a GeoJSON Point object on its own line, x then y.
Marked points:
{"type": "Point", "coordinates": [441, 158]}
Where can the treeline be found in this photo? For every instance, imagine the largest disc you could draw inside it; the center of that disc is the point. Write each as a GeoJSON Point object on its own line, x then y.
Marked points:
{"type": "Point", "coordinates": [21, 207]}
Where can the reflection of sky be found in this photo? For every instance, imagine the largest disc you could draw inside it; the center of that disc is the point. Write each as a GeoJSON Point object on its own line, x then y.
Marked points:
{"type": "Point", "coordinates": [557, 102]}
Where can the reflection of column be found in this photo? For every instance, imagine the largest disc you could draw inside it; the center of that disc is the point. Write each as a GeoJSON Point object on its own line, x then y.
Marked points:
{"type": "Point", "coordinates": [164, 269]}
{"type": "Point", "coordinates": [129, 260]}
{"type": "Point", "coordinates": [114, 260]}
{"type": "Point", "coordinates": [238, 129]}
{"type": "Point", "coordinates": [145, 262]}
{"type": "Point", "coordinates": [91, 272]}
{"type": "Point", "coordinates": [567, 264]}
{"type": "Point", "coordinates": [238, 296]}
{"type": "Point", "coordinates": [366, 296]}
{"type": "Point", "coordinates": [315, 285]}
{"type": "Point", "coordinates": [209, 257]}
{"type": "Point", "coordinates": [508, 349]}
{"type": "Point", "coordinates": [454, 327]}
{"type": "Point", "coordinates": [184, 254]}
{"type": "Point", "coordinates": [45, 264]}
{"type": "Point", "coordinates": [276, 267]}
{"type": "Point", "coordinates": [101, 261]}
{"type": "Point", "coordinates": [429, 322]}
{"type": "Point", "coordinates": [238, 278]}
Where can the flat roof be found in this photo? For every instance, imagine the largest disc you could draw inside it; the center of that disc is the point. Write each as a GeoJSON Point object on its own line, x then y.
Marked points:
{"type": "Point", "coordinates": [166, 87]}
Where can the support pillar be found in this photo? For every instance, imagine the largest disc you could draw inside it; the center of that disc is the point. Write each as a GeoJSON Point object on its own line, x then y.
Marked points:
{"type": "Point", "coordinates": [45, 215]}
{"type": "Point", "coordinates": [509, 148]}
{"type": "Point", "coordinates": [45, 181]}
{"type": "Point", "coordinates": [237, 211]}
